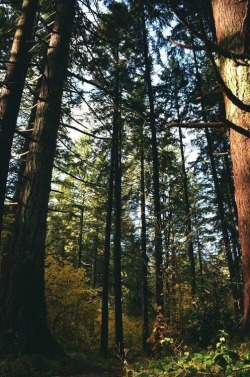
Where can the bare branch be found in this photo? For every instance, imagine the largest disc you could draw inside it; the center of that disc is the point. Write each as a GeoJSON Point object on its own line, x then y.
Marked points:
{"type": "Point", "coordinates": [90, 82]}
{"type": "Point", "coordinates": [224, 123]}
{"type": "Point", "coordinates": [84, 132]}
{"type": "Point", "coordinates": [196, 124]}
{"type": "Point", "coordinates": [236, 128]}
{"type": "Point", "coordinates": [212, 46]}
{"type": "Point", "coordinates": [187, 46]}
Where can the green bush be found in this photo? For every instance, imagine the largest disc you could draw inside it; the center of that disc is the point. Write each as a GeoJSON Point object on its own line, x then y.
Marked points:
{"type": "Point", "coordinates": [219, 361]}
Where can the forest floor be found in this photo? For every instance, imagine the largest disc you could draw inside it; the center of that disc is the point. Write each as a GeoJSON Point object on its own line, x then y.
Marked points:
{"type": "Point", "coordinates": [100, 374]}
{"type": "Point", "coordinates": [113, 373]}
{"type": "Point", "coordinates": [116, 371]}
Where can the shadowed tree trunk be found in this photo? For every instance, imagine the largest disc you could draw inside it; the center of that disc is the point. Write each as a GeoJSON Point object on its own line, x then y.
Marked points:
{"type": "Point", "coordinates": [188, 218]}
{"type": "Point", "coordinates": [145, 326]}
{"type": "Point", "coordinates": [95, 258]}
{"type": "Point", "coordinates": [232, 229]}
{"type": "Point", "coordinates": [115, 31]}
{"type": "Point", "coordinates": [12, 89]}
{"type": "Point", "coordinates": [156, 180]}
{"type": "Point", "coordinates": [79, 254]}
{"type": "Point", "coordinates": [117, 213]}
{"type": "Point", "coordinates": [220, 206]}
{"type": "Point", "coordinates": [224, 228]}
{"type": "Point", "coordinates": [105, 283]}
{"type": "Point", "coordinates": [23, 326]}
{"type": "Point", "coordinates": [114, 188]}
{"type": "Point", "coordinates": [24, 151]}
{"type": "Point", "coordinates": [232, 21]}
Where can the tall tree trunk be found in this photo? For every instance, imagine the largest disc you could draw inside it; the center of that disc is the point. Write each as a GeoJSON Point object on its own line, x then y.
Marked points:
{"type": "Point", "coordinates": [12, 89]}
{"type": "Point", "coordinates": [95, 258]}
{"type": "Point", "coordinates": [228, 168]}
{"type": "Point", "coordinates": [236, 250]}
{"type": "Point", "coordinates": [221, 209]}
{"type": "Point", "coordinates": [232, 31]}
{"type": "Point", "coordinates": [114, 187]}
{"type": "Point", "coordinates": [188, 219]}
{"type": "Point", "coordinates": [27, 136]}
{"type": "Point", "coordinates": [156, 180]}
{"type": "Point", "coordinates": [23, 326]}
{"type": "Point", "coordinates": [105, 283]}
{"type": "Point", "coordinates": [224, 228]}
{"type": "Point", "coordinates": [79, 253]}
{"type": "Point", "coordinates": [145, 326]}
{"type": "Point", "coordinates": [199, 250]}
{"type": "Point", "coordinates": [117, 213]}
{"type": "Point", "coordinates": [167, 226]}
{"type": "Point", "coordinates": [24, 151]}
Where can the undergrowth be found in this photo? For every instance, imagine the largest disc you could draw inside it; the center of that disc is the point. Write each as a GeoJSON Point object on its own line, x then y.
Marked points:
{"type": "Point", "coordinates": [41, 366]}
{"type": "Point", "coordinates": [220, 360]}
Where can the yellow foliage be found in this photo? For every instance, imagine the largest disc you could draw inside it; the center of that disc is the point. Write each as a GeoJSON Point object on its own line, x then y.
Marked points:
{"type": "Point", "coordinates": [74, 311]}
{"type": "Point", "coordinates": [132, 334]}
{"type": "Point", "coordinates": [72, 305]}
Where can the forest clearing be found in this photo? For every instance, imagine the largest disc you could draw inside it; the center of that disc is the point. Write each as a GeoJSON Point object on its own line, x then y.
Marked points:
{"type": "Point", "coordinates": [124, 188]}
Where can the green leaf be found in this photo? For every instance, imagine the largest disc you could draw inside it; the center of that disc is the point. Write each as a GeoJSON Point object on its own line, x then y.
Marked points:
{"type": "Point", "coordinates": [220, 360]}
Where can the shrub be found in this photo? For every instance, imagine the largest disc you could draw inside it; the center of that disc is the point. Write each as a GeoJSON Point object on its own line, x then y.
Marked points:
{"type": "Point", "coordinates": [72, 305]}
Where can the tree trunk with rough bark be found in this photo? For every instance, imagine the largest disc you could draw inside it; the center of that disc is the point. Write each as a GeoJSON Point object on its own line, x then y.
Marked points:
{"type": "Point", "coordinates": [12, 89]}
{"type": "Point", "coordinates": [232, 20]}
{"type": "Point", "coordinates": [23, 327]}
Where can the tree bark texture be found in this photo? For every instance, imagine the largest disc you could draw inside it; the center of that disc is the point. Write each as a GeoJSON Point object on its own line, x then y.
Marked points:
{"type": "Point", "coordinates": [12, 89]}
{"type": "Point", "coordinates": [23, 327]}
{"type": "Point", "coordinates": [232, 19]}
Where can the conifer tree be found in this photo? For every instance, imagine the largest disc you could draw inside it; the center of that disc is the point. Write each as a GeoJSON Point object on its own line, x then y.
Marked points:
{"type": "Point", "coordinates": [12, 89]}
{"type": "Point", "coordinates": [232, 20]}
{"type": "Point", "coordinates": [22, 301]}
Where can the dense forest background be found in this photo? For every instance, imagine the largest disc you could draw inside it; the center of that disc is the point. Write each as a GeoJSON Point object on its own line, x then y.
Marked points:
{"type": "Point", "coordinates": [124, 182]}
